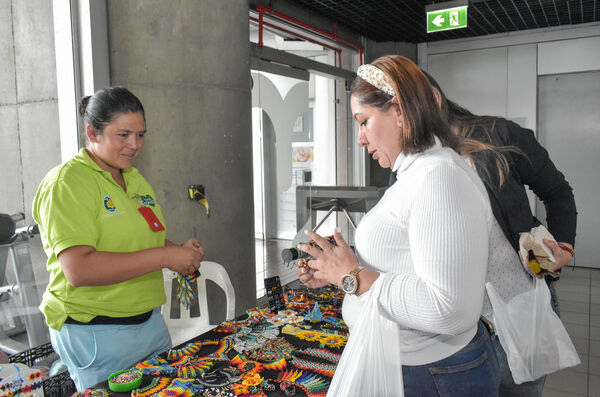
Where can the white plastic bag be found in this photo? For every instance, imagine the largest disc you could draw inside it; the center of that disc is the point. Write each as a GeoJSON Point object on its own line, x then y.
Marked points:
{"type": "Point", "coordinates": [534, 339]}
{"type": "Point", "coordinates": [371, 363]}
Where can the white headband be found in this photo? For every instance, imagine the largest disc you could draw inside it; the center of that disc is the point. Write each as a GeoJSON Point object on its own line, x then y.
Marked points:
{"type": "Point", "coordinates": [375, 76]}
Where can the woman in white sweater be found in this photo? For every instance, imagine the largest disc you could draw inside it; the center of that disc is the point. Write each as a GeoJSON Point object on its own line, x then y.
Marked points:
{"type": "Point", "coordinates": [426, 240]}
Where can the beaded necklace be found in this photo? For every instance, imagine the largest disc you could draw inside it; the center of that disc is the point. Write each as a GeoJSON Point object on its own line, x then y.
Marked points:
{"type": "Point", "coordinates": [272, 350]}
{"type": "Point", "coordinates": [168, 387]}
{"type": "Point", "coordinates": [320, 368]}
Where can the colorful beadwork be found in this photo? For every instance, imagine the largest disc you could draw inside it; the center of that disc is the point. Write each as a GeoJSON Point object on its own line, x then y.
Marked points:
{"type": "Point", "coordinates": [272, 350]}
{"type": "Point", "coordinates": [315, 314]}
{"type": "Point", "coordinates": [309, 336]}
{"type": "Point", "coordinates": [303, 262]}
{"type": "Point", "coordinates": [323, 354]}
{"type": "Point", "coordinates": [333, 340]}
{"type": "Point", "coordinates": [168, 387]}
{"type": "Point", "coordinates": [187, 350]}
{"type": "Point", "coordinates": [157, 366]}
{"type": "Point", "coordinates": [323, 369]}
{"type": "Point", "coordinates": [247, 366]}
{"type": "Point", "coordinates": [320, 368]}
{"type": "Point", "coordinates": [185, 293]}
{"type": "Point", "coordinates": [126, 377]}
{"type": "Point", "coordinates": [312, 385]}
{"type": "Point", "coordinates": [91, 393]}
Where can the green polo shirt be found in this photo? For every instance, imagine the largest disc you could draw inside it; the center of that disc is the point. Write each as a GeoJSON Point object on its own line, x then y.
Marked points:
{"type": "Point", "coordinates": [78, 203]}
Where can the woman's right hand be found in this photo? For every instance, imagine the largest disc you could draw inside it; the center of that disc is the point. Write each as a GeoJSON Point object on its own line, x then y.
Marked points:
{"type": "Point", "coordinates": [184, 259]}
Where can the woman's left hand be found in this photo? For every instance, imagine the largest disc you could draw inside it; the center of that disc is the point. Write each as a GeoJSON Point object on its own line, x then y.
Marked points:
{"type": "Point", "coordinates": [330, 262]}
{"type": "Point", "coordinates": [562, 257]}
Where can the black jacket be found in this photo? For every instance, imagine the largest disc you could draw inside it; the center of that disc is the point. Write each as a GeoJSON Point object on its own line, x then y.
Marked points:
{"type": "Point", "coordinates": [531, 167]}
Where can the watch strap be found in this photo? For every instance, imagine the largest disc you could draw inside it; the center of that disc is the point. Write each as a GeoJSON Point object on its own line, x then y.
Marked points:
{"type": "Point", "coordinates": [356, 271]}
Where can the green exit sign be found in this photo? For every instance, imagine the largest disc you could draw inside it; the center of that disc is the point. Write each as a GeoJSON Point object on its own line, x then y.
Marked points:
{"type": "Point", "coordinates": [450, 18]}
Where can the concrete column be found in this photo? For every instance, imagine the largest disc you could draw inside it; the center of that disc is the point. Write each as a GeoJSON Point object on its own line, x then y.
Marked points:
{"type": "Point", "coordinates": [188, 61]}
{"type": "Point", "coordinates": [29, 131]}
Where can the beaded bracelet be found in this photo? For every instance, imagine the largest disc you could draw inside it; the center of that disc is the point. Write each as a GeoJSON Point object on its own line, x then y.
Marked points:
{"type": "Point", "coordinates": [568, 249]}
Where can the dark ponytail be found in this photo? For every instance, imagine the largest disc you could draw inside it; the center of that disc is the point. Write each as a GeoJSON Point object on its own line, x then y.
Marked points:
{"type": "Point", "coordinates": [102, 107]}
{"type": "Point", "coordinates": [83, 105]}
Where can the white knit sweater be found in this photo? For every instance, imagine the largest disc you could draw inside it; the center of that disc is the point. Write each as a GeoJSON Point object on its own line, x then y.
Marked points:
{"type": "Point", "coordinates": [429, 234]}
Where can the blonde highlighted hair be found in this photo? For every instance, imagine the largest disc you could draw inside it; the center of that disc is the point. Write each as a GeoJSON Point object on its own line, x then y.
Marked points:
{"type": "Point", "coordinates": [424, 118]}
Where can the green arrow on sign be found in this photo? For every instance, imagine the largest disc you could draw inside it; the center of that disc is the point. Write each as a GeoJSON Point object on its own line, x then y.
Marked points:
{"type": "Point", "coordinates": [450, 18]}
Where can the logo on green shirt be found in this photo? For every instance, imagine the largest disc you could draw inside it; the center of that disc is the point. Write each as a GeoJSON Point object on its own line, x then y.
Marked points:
{"type": "Point", "coordinates": [109, 205]}
{"type": "Point", "coordinates": [147, 200]}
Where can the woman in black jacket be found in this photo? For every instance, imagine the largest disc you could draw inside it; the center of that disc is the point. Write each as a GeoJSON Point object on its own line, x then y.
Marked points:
{"type": "Point", "coordinates": [527, 164]}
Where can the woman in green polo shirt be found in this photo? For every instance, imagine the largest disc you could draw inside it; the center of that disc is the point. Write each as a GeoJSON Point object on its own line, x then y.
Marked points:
{"type": "Point", "coordinates": [104, 234]}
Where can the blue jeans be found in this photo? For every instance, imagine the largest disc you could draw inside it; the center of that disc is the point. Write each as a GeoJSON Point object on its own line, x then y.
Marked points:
{"type": "Point", "coordinates": [93, 352]}
{"type": "Point", "coordinates": [470, 372]}
{"type": "Point", "coordinates": [554, 298]}
{"type": "Point", "coordinates": [508, 388]}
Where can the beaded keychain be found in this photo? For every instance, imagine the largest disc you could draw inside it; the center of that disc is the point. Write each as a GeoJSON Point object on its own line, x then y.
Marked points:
{"type": "Point", "coordinates": [185, 294]}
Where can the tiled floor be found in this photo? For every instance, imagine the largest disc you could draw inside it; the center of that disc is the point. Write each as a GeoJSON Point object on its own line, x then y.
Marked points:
{"type": "Point", "coordinates": [579, 297]}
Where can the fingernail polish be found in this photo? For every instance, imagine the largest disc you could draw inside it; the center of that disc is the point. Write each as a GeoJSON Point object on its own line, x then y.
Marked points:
{"type": "Point", "coordinates": [338, 229]}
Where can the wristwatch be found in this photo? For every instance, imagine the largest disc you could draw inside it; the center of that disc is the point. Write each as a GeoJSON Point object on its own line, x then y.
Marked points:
{"type": "Point", "coordinates": [350, 281]}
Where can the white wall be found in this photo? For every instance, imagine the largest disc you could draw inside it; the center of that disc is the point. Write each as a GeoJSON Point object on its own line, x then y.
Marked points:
{"type": "Point", "coordinates": [497, 74]}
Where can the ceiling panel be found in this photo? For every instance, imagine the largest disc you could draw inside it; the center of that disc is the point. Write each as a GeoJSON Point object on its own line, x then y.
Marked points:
{"type": "Point", "coordinates": [405, 20]}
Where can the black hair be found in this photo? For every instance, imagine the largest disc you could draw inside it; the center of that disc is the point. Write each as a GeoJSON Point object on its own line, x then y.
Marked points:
{"type": "Point", "coordinates": [102, 107]}
{"type": "Point", "coordinates": [476, 129]}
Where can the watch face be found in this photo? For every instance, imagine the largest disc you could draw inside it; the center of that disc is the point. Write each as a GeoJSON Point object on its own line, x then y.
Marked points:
{"type": "Point", "coordinates": [349, 284]}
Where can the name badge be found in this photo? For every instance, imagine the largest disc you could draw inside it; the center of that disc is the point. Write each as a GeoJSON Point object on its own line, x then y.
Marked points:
{"type": "Point", "coordinates": [151, 218]}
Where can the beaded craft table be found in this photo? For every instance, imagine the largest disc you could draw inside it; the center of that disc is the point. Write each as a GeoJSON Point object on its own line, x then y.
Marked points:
{"type": "Point", "coordinates": [290, 353]}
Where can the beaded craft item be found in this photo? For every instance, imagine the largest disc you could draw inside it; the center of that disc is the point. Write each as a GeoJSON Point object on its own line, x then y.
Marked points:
{"type": "Point", "coordinates": [320, 368]}
{"type": "Point", "coordinates": [127, 377]}
{"type": "Point", "coordinates": [309, 336]}
{"type": "Point", "coordinates": [218, 392]}
{"type": "Point", "coordinates": [187, 350]}
{"type": "Point", "coordinates": [333, 340]}
{"type": "Point", "coordinates": [217, 378]}
{"type": "Point", "coordinates": [251, 338]}
{"type": "Point", "coordinates": [157, 366]}
{"type": "Point", "coordinates": [169, 387]}
{"type": "Point", "coordinates": [323, 354]}
{"type": "Point", "coordinates": [324, 338]}
{"type": "Point", "coordinates": [185, 293]}
{"type": "Point", "coordinates": [91, 393]}
{"type": "Point", "coordinates": [184, 362]}
{"type": "Point", "coordinates": [286, 316]}
{"type": "Point", "coordinates": [315, 314]}
{"type": "Point", "coordinates": [303, 262]}
{"type": "Point", "coordinates": [312, 385]}
{"type": "Point", "coordinates": [191, 367]}
{"type": "Point", "coordinates": [18, 379]}
{"type": "Point", "coordinates": [273, 350]}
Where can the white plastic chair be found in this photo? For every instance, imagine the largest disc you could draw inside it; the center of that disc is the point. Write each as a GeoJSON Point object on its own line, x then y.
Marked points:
{"type": "Point", "coordinates": [189, 324]}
